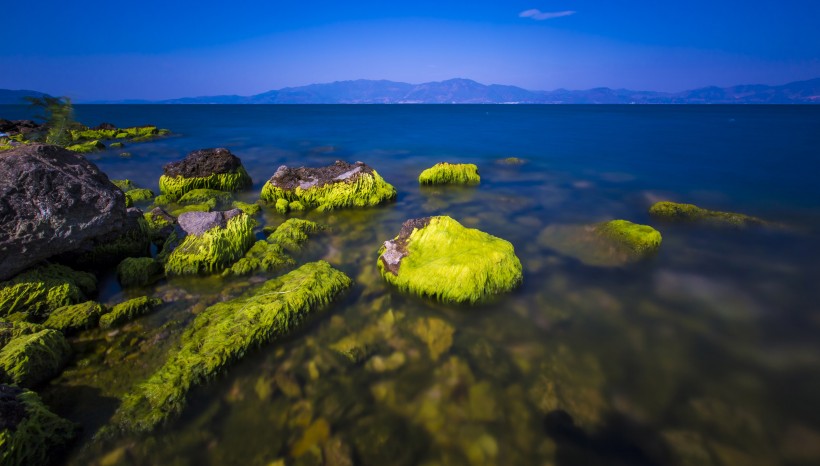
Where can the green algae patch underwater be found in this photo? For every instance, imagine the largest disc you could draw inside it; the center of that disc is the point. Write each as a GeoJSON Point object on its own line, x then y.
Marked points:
{"type": "Point", "coordinates": [225, 332]}
{"type": "Point", "coordinates": [214, 250]}
{"type": "Point", "coordinates": [336, 186]}
{"type": "Point", "coordinates": [439, 258]}
{"type": "Point", "coordinates": [37, 291]}
{"type": "Point", "coordinates": [76, 317]}
{"type": "Point", "coordinates": [642, 240]}
{"type": "Point", "coordinates": [129, 310]}
{"type": "Point", "coordinates": [30, 354]}
{"type": "Point", "coordinates": [138, 271]}
{"type": "Point", "coordinates": [673, 211]}
{"type": "Point", "coordinates": [451, 173]}
{"type": "Point", "coordinates": [216, 169]}
{"type": "Point", "coordinates": [614, 243]}
{"type": "Point", "coordinates": [30, 434]}
{"type": "Point", "coordinates": [270, 255]}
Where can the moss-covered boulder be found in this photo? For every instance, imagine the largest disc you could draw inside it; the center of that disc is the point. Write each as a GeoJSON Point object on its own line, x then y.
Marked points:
{"type": "Point", "coordinates": [608, 244]}
{"type": "Point", "coordinates": [271, 255]}
{"type": "Point", "coordinates": [451, 173]}
{"type": "Point", "coordinates": [38, 291]}
{"type": "Point", "coordinates": [216, 169]}
{"type": "Point", "coordinates": [30, 434]}
{"type": "Point", "coordinates": [129, 310]}
{"type": "Point", "coordinates": [675, 212]}
{"type": "Point", "coordinates": [85, 147]}
{"type": "Point", "coordinates": [327, 188]}
{"type": "Point", "coordinates": [138, 271]}
{"type": "Point", "coordinates": [640, 240]}
{"type": "Point", "coordinates": [439, 258]}
{"type": "Point", "coordinates": [225, 332]}
{"type": "Point", "coordinates": [76, 317]}
{"type": "Point", "coordinates": [215, 241]}
{"type": "Point", "coordinates": [30, 354]}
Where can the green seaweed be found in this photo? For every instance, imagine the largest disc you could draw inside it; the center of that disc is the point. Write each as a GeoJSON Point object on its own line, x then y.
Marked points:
{"type": "Point", "coordinates": [85, 147]}
{"type": "Point", "coordinates": [116, 145]}
{"type": "Point", "coordinates": [225, 332]}
{"type": "Point", "coordinates": [202, 196]}
{"type": "Point", "coordinates": [204, 207]}
{"type": "Point", "coordinates": [138, 271]}
{"type": "Point", "coordinates": [124, 185]}
{"type": "Point", "coordinates": [81, 316]}
{"type": "Point", "coordinates": [640, 240]}
{"type": "Point", "coordinates": [250, 209]}
{"type": "Point", "coordinates": [673, 211]}
{"type": "Point", "coordinates": [133, 242]}
{"type": "Point", "coordinates": [129, 310]}
{"type": "Point", "coordinates": [270, 255]}
{"type": "Point", "coordinates": [176, 186]}
{"type": "Point", "coordinates": [38, 438]}
{"type": "Point", "coordinates": [30, 354]}
{"type": "Point", "coordinates": [293, 233]}
{"type": "Point", "coordinates": [450, 173]}
{"type": "Point", "coordinates": [138, 195]}
{"type": "Point", "coordinates": [37, 291]}
{"type": "Point", "coordinates": [135, 133]}
{"type": "Point", "coordinates": [213, 250]}
{"type": "Point", "coordinates": [451, 263]}
{"type": "Point", "coordinates": [364, 190]}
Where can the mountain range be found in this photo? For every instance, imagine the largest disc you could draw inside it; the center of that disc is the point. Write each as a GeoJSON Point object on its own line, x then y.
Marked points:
{"type": "Point", "coordinates": [466, 91]}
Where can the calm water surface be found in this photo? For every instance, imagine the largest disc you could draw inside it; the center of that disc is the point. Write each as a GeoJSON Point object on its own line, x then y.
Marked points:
{"type": "Point", "coordinates": [705, 354]}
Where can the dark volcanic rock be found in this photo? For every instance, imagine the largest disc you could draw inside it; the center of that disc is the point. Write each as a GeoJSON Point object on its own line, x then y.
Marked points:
{"type": "Point", "coordinates": [52, 201]}
{"type": "Point", "coordinates": [306, 177]}
{"type": "Point", "coordinates": [102, 126]}
{"type": "Point", "coordinates": [18, 126]}
{"type": "Point", "coordinates": [196, 223]}
{"type": "Point", "coordinates": [396, 249]}
{"type": "Point", "coordinates": [204, 162]}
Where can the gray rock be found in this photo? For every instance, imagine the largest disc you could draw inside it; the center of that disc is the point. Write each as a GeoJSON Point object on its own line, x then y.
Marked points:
{"type": "Point", "coordinates": [196, 223]}
{"type": "Point", "coordinates": [52, 201]}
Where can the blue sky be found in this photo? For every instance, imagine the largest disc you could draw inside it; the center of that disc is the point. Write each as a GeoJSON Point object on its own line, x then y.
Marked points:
{"type": "Point", "coordinates": [161, 49]}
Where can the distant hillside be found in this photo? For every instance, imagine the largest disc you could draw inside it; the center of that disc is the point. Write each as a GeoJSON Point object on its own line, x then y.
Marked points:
{"type": "Point", "coordinates": [16, 97]}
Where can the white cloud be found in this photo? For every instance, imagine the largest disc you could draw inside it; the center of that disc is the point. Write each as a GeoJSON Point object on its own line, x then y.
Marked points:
{"type": "Point", "coordinates": [539, 15]}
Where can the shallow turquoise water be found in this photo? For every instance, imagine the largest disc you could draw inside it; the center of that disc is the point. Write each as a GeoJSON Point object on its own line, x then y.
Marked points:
{"type": "Point", "coordinates": [705, 354]}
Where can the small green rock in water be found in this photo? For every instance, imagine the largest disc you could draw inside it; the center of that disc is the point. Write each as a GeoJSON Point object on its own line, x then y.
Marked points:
{"type": "Point", "coordinates": [138, 195]}
{"type": "Point", "coordinates": [641, 240]}
{"type": "Point", "coordinates": [30, 354]}
{"type": "Point", "coordinates": [450, 173]}
{"type": "Point", "coordinates": [129, 310]}
{"type": "Point", "coordinates": [76, 317]}
{"type": "Point", "coordinates": [673, 211]}
{"type": "Point", "coordinates": [85, 147]}
{"type": "Point", "coordinates": [138, 271]}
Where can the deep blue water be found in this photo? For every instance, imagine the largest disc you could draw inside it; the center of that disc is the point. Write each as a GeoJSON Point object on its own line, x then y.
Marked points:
{"type": "Point", "coordinates": [705, 354]}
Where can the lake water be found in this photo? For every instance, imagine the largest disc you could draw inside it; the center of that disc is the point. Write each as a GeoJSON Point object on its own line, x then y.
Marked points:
{"type": "Point", "coordinates": [707, 353]}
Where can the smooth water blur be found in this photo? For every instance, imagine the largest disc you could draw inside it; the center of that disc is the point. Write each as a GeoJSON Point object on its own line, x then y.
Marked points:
{"type": "Point", "coordinates": [705, 354]}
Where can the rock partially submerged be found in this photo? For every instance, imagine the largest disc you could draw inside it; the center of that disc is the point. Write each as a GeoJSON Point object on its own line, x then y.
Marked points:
{"type": "Point", "coordinates": [38, 291]}
{"type": "Point", "coordinates": [69, 319]}
{"type": "Point", "coordinates": [673, 211]}
{"type": "Point", "coordinates": [271, 255]}
{"type": "Point", "coordinates": [215, 169]}
{"type": "Point", "coordinates": [327, 188]}
{"type": "Point", "coordinates": [450, 173]}
{"type": "Point", "coordinates": [30, 354]}
{"type": "Point", "coordinates": [609, 244]}
{"type": "Point", "coordinates": [129, 310]}
{"type": "Point", "coordinates": [52, 201]}
{"type": "Point", "coordinates": [215, 241]}
{"type": "Point", "coordinates": [223, 333]}
{"type": "Point", "coordinates": [439, 258]}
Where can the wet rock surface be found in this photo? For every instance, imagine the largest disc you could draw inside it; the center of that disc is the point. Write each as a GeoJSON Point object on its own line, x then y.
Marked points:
{"type": "Point", "coordinates": [13, 127]}
{"type": "Point", "coordinates": [196, 223]}
{"type": "Point", "coordinates": [204, 162]}
{"type": "Point", "coordinates": [396, 249]}
{"type": "Point", "coordinates": [308, 177]}
{"type": "Point", "coordinates": [52, 201]}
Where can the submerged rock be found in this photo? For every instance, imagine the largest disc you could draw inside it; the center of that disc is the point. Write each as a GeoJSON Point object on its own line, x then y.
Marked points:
{"type": "Point", "coordinates": [30, 354]}
{"type": "Point", "coordinates": [138, 271]}
{"type": "Point", "coordinates": [34, 293]}
{"type": "Point", "coordinates": [450, 173]}
{"type": "Point", "coordinates": [52, 201]}
{"type": "Point", "coordinates": [640, 240]}
{"type": "Point", "coordinates": [673, 211]}
{"type": "Point", "coordinates": [76, 317]}
{"type": "Point", "coordinates": [326, 188]}
{"type": "Point", "coordinates": [225, 332]}
{"type": "Point", "coordinates": [215, 241]}
{"type": "Point", "coordinates": [216, 169]}
{"type": "Point", "coordinates": [439, 258]}
{"type": "Point", "coordinates": [270, 255]}
{"type": "Point", "coordinates": [30, 434]}
{"type": "Point", "coordinates": [129, 310]}
{"type": "Point", "coordinates": [609, 244]}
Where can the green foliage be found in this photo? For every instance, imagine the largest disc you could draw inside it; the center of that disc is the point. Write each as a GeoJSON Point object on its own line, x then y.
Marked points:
{"type": "Point", "coordinates": [31, 354]}
{"type": "Point", "coordinates": [129, 310]}
{"type": "Point", "coordinates": [673, 211]}
{"type": "Point", "coordinates": [38, 437]}
{"type": "Point", "coordinates": [640, 240]}
{"type": "Point", "coordinates": [138, 271]}
{"type": "Point", "coordinates": [451, 263]}
{"type": "Point", "coordinates": [365, 190]}
{"type": "Point", "coordinates": [213, 250]}
{"type": "Point", "coordinates": [37, 291]}
{"type": "Point", "coordinates": [81, 316]}
{"type": "Point", "coordinates": [175, 187]}
{"type": "Point", "coordinates": [58, 116]}
{"type": "Point", "coordinates": [225, 332]}
{"type": "Point", "coordinates": [450, 173]}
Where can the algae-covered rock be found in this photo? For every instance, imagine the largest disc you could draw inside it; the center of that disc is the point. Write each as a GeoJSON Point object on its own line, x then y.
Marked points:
{"type": "Point", "coordinates": [436, 333]}
{"type": "Point", "coordinates": [326, 188]}
{"type": "Point", "coordinates": [138, 271]}
{"type": "Point", "coordinates": [450, 173]}
{"type": "Point", "coordinates": [85, 147]}
{"type": "Point", "coordinates": [250, 209]}
{"type": "Point", "coordinates": [134, 240]}
{"type": "Point", "coordinates": [216, 169]}
{"type": "Point", "coordinates": [225, 332]}
{"type": "Point", "coordinates": [30, 434]}
{"type": "Point", "coordinates": [293, 233]}
{"type": "Point", "coordinates": [201, 196]}
{"type": "Point", "coordinates": [81, 316]}
{"type": "Point", "coordinates": [270, 255]}
{"type": "Point", "coordinates": [511, 161]}
{"type": "Point", "coordinates": [210, 249]}
{"type": "Point", "coordinates": [160, 225]}
{"type": "Point", "coordinates": [673, 211]}
{"type": "Point", "coordinates": [641, 240]}
{"type": "Point", "coordinates": [129, 310]}
{"type": "Point", "coordinates": [30, 354]}
{"type": "Point", "coordinates": [42, 289]}
{"type": "Point", "coordinates": [609, 244]}
{"type": "Point", "coordinates": [138, 195]}
{"type": "Point", "coordinates": [439, 258]}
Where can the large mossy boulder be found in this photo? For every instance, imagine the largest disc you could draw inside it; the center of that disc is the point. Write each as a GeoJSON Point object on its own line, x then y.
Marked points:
{"type": "Point", "coordinates": [52, 201]}
{"type": "Point", "coordinates": [34, 293]}
{"type": "Point", "coordinates": [216, 169]}
{"type": "Point", "coordinates": [609, 244]}
{"type": "Point", "coordinates": [30, 354]}
{"type": "Point", "coordinates": [451, 173]}
{"type": "Point", "coordinates": [439, 258]}
{"type": "Point", "coordinates": [214, 241]}
{"type": "Point", "coordinates": [225, 332]}
{"type": "Point", "coordinates": [30, 434]}
{"type": "Point", "coordinates": [676, 212]}
{"type": "Point", "coordinates": [335, 186]}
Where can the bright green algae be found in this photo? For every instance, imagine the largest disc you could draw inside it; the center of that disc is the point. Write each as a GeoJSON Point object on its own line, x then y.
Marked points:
{"type": "Point", "coordinates": [450, 173]}
{"type": "Point", "coordinates": [76, 317]}
{"type": "Point", "coordinates": [213, 250]}
{"type": "Point", "coordinates": [223, 333]}
{"type": "Point", "coordinates": [449, 262]}
{"type": "Point", "coordinates": [641, 240]}
{"type": "Point", "coordinates": [129, 310]}
{"type": "Point", "coordinates": [30, 354]}
{"type": "Point", "coordinates": [85, 147]}
{"type": "Point", "coordinates": [138, 271]}
{"type": "Point", "coordinates": [138, 195]}
{"type": "Point", "coordinates": [38, 436]}
{"type": "Point", "coordinates": [175, 187]}
{"type": "Point", "coordinates": [674, 211]}
{"type": "Point", "coordinates": [363, 190]}
{"type": "Point", "coordinates": [270, 255]}
{"type": "Point", "coordinates": [200, 196]}
{"type": "Point", "coordinates": [37, 291]}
